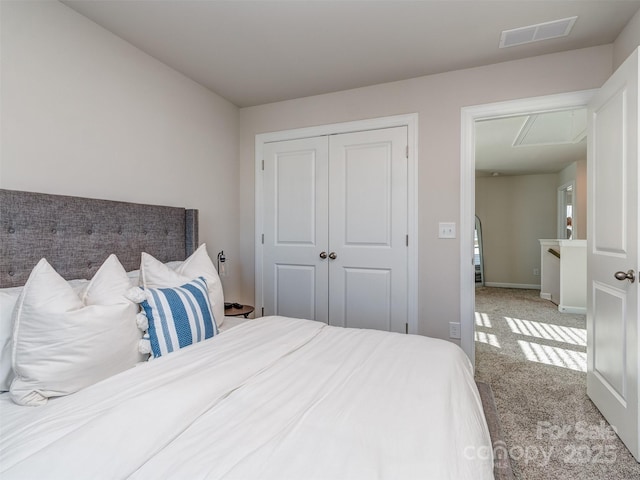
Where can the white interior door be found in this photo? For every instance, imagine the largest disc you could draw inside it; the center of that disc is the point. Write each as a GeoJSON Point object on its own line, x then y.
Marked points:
{"type": "Point", "coordinates": [295, 277]}
{"type": "Point", "coordinates": [612, 304]}
{"type": "Point", "coordinates": [368, 229]}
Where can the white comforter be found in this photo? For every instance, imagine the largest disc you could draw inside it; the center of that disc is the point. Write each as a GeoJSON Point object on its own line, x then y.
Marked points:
{"type": "Point", "coordinates": [276, 398]}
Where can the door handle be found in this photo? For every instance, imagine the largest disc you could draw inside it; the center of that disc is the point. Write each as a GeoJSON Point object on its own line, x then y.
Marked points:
{"type": "Point", "coordinates": [323, 255]}
{"type": "Point", "coordinates": [629, 275]}
{"type": "Point", "coordinates": [333, 255]}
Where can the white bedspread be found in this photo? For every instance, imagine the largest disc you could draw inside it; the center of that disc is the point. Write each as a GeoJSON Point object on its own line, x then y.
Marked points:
{"type": "Point", "coordinates": [275, 398]}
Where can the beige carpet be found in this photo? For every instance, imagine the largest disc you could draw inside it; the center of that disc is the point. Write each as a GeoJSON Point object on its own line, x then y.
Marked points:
{"type": "Point", "coordinates": [534, 358]}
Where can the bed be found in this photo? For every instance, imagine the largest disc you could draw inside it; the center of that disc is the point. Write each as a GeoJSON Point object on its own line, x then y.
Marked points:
{"type": "Point", "coordinates": [273, 398]}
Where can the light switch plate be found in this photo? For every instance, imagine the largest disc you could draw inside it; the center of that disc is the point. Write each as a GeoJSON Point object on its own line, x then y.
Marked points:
{"type": "Point", "coordinates": [454, 329]}
{"type": "Point", "coordinates": [446, 230]}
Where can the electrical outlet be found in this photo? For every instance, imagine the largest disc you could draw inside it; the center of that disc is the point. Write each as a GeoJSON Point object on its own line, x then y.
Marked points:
{"type": "Point", "coordinates": [536, 272]}
{"type": "Point", "coordinates": [454, 329]}
{"type": "Point", "coordinates": [446, 230]}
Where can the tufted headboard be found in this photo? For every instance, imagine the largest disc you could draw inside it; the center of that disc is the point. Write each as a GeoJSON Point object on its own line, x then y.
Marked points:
{"type": "Point", "coordinates": [77, 234]}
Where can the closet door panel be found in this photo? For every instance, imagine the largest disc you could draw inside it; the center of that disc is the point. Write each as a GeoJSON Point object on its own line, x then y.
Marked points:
{"type": "Point", "coordinates": [366, 173]}
{"type": "Point", "coordinates": [367, 299]}
{"type": "Point", "coordinates": [296, 229]}
{"type": "Point", "coordinates": [367, 229]}
{"type": "Point", "coordinates": [295, 290]}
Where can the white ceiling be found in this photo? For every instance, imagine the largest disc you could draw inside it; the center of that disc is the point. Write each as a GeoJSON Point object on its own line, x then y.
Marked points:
{"type": "Point", "coordinates": [256, 52]}
{"type": "Point", "coordinates": [552, 142]}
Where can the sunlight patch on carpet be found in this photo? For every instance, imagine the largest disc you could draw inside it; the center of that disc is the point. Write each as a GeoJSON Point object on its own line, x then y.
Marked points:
{"type": "Point", "coordinates": [488, 338]}
{"type": "Point", "coordinates": [482, 320]}
{"type": "Point", "coordinates": [558, 357]}
{"type": "Point", "coordinates": [570, 335]}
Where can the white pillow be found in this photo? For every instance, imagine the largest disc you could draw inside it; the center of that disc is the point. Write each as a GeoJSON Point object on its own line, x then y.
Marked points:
{"type": "Point", "coordinates": [134, 275]}
{"type": "Point", "coordinates": [63, 342]}
{"type": "Point", "coordinates": [8, 299]}
{"type": "Point", "coordinates": [155, 274]}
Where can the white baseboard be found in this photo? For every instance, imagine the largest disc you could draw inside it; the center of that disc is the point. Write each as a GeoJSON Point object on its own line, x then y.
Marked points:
{"type": "Point", "coordinates": [545, 296]}
{"type": "Point", "coordinates": [512, 285]}
{"type": "Point", "coordinates": [569, 309]}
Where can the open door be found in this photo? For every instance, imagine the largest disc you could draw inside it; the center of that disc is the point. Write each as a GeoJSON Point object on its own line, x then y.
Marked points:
{"type": "Point", "coordinates": [612, 253]}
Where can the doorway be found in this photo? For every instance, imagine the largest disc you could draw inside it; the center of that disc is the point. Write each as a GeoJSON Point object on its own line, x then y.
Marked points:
{"type": "Point", "coordinates": [566, 207]}
{"type": "Point", "coordinates": [470, 116]}
{"type": "Point", "coordinates": [612, 372]}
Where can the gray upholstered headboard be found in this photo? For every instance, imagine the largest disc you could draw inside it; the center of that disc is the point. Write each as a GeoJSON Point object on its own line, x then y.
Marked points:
{"type": "Point", "coordinates": [77, 234]}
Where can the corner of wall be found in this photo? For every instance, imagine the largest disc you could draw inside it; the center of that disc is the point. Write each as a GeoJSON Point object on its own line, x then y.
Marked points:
{"type": "Point", "coordinates": [627, 41]}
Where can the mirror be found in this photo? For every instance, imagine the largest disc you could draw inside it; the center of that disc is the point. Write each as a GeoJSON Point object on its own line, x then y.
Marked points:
{"type": "Point", "coordinates": [566, 211]}
{"type": "Point", "coordinates": [478, 260]}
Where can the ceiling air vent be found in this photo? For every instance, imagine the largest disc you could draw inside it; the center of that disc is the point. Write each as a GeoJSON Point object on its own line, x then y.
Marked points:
{"type": "Point", "coordinates": [535, 33]}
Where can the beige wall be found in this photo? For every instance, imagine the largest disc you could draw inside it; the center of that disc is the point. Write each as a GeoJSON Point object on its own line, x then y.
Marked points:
{"type": "Point", "coordinates": [85, 113]}
{"type": "Point", "coordinates": [567, 174]}
{"type": "Point", "coordinates": [627, 41]}
{"type": "Point", "coordinates": [438, 100]}
{"type": "Point", "coordinates": [515, 212]}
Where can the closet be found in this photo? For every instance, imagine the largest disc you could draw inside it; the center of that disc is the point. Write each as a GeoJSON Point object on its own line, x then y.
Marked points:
{"type": "Point", "coordinates": [334, 233]}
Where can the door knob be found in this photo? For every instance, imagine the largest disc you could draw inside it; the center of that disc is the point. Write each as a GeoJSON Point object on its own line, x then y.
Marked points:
{"type": "Point", "coordinates": [323, 255]}
{"type": "Point", "coordinates": [333, 255]}
{"type": "Point", "coordinates": [630, 275]}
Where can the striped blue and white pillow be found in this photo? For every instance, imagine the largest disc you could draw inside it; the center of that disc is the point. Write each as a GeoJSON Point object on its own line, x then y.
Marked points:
{"type": "Point", "coordinates": [178, 316]}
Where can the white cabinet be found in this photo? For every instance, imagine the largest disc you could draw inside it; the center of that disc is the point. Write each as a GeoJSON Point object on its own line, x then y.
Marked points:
{"type": "Point", "coordinates": [564, 274]}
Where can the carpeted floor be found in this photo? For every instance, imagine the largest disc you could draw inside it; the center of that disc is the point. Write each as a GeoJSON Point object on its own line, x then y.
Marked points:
{"type": "Point", "coordinates": [534, 358]}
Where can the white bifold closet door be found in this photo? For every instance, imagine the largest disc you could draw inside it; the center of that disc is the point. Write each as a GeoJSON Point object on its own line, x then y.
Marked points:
{"type": "Point", "coordinates": [335, 229]}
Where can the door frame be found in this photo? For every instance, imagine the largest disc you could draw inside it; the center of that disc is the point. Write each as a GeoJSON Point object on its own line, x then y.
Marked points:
{"type": "Point", "coordinates": [469, 115]}
{"type": "Point", "coordinates": [407, 120]}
